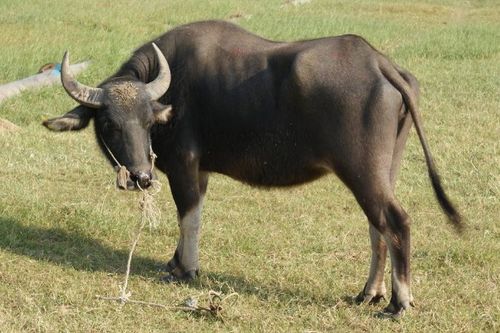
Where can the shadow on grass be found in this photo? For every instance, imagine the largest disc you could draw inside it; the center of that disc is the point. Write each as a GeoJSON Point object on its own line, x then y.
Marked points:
{"type": "Point", "coordinates": [269, 292]}
{"type": "Point", "coordinates": [69, 248]}
{"type": "Point", "coordinates": [81, 252]}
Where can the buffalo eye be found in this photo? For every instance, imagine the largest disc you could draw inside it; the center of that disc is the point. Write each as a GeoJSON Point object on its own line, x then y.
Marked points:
{"type": "Point", "coordinates": [109, 127]}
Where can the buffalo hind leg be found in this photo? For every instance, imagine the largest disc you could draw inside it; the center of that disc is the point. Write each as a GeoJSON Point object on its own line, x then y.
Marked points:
{"type": "Point", "coordinates": [389, 229]}
{"type": "Point", "coordinates": [404, 126]}
{"type": "Point", "coordinates": [188, 191]}
{"type": "Point", "coordinates": [397, 236]}
{"type": "Point", "coordinates": [374, 290]}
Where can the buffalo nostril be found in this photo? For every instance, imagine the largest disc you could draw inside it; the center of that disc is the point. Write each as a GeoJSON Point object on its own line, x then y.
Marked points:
{"type": "Point", "coordinates": [143, 179]}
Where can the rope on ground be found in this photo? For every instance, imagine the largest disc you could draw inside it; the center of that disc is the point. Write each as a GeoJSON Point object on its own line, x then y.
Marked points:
{"type": "Point", "coordinates": [216, 300]}
{"type": "Point", "coordinates": [150, 215]}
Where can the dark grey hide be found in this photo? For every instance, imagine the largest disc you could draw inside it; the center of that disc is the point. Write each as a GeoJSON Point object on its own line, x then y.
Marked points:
{"type": "Point", "coordinates": [268, 114]}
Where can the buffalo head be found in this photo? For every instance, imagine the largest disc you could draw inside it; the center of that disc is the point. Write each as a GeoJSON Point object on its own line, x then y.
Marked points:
{"type": "Point", "coordinates": [124, 112]}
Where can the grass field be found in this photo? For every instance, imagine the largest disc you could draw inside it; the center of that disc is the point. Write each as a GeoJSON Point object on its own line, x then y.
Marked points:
{"type": "Point", "coordinates": [295, 257]}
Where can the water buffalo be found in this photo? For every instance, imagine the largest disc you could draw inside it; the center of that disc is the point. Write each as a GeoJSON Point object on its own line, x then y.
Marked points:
{"type": "Point", "coordinates": [212, 97]}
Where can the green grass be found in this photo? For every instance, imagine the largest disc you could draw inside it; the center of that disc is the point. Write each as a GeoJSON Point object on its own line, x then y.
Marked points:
{"type": "Point", "coordinates": [294, 256]}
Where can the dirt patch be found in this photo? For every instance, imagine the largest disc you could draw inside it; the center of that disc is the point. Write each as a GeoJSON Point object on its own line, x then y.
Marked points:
{"type": "Point", "coordinates": [7, 126]}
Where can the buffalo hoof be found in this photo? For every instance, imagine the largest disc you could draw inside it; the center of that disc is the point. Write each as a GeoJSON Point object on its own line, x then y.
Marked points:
{"type": "Point", "coordinates": [395, 310]}
{"type": "Point", "coordinates": [363, 298]}
{"type": "Point", "coordinates": [180, 278]}
{"type": "Point", "coordinates": [369, 298]}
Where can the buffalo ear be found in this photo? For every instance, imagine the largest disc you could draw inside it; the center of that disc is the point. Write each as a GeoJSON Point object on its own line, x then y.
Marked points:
{"type": "Point", "coordinates": [163, 113]}
{"type": "Point", "coordinates": [74, 120]}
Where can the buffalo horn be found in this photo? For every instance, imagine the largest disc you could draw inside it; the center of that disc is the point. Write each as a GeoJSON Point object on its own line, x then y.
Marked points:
{"type": "Point", "coordinates": [158, 87]}
{"type": "Point", "coordinates": [87, 96]}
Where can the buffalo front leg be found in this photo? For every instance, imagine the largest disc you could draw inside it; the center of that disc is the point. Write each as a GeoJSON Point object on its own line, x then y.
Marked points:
{"type": "Point", "coordinates": [187, 253]}
{"type": "Point", "coordinates": [374, 290]}
{"type": "Point", "coordinates": [188, 193]}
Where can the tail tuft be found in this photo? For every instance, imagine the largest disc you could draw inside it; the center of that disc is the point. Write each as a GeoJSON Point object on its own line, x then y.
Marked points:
{"type": "Point", "coordinates": [445, 203]}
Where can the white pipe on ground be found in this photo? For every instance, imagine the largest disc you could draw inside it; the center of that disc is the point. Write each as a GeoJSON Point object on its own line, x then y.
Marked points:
{"type": "Point", "coordinates": [46, 78]}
